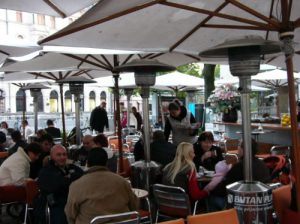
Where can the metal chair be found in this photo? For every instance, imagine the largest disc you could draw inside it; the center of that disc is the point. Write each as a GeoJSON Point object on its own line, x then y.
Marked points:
{"type": "Point", "coordinates": [172, 202]}
{"type": "Point", "coordinates": [124, 218]}
{"type": "Point", "coordinates": [281, 150]}
{"type": "Point", "coordinates": [221, 217]}
{"type": "Point", "coordinates": [281, 200]}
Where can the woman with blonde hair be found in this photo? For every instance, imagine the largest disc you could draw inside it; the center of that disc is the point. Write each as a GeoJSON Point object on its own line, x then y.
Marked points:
{"type": "Point", "coordinates": [181, 172]}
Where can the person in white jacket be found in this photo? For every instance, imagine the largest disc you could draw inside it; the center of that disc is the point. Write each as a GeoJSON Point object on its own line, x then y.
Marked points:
{"type": "Point", "coordinates": [15, 169]}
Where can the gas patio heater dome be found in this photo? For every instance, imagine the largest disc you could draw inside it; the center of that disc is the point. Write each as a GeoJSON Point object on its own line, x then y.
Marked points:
{"type": "Point", "coordinates": [145, 75]}
{"type": "Point", "coordinates": [244, 56]}
{"type": "Point", "coordinates": [76, 86]}
{"type": "Point", "coordinates": [35, 92]}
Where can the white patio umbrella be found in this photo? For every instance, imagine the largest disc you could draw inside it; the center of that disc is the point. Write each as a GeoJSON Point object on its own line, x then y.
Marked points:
{"type": "Point", "coordinates": [58, 8]}
{"type": "Point", "coordinates": [272, 79]}
{"type": "Point", "coordinates": [187, 26]}
{"type": "Point", "coordinates": [176, 81]}
{"type": "Point", "coordinates": [125, 80]}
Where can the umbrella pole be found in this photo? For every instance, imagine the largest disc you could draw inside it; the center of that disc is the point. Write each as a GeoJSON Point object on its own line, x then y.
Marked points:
{"type": "Point", "coordinates": [24, 111]}
{"type": "Point", "coordinates": [77, 118]}
{"type": "Point", "coordinates": [35, 106]}
{"type": "Point", "coordinates": [294, 124]}
{"type": "Point", "coordinates": [62, 114]}
{"type": "Point", "coordinates": [117, 113]}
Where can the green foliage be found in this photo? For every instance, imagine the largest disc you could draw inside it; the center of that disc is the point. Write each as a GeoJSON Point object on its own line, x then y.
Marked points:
{"type": "Point", "coordinates": [193, 69]}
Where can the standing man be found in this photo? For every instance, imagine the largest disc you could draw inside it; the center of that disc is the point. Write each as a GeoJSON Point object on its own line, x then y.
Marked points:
{"type": "Point", "coordinates": [51, 130]}
{"type": "Point", "coordinates": [99, 118]}
{"type": "Point", "coordinates": [138, 118]}
{"type": "Point", "coordinates": [26, 130]}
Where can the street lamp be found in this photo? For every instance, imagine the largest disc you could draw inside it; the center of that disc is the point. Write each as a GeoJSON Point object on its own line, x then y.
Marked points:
{"type": "Point", "coordinates": [145, 74]}
{"type": "Point", "coordinates": [76, 86]}
{"type": "Point", "coordinates": [35, 91]}
{"type": "Point", "coordinates": [244, 60]}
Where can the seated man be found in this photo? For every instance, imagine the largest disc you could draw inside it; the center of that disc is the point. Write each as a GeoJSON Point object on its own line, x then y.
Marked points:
{"type": "Point", "coordinates": [51, 130]}
{"type": "Point", "coordinates": [99, 192]}
{"type": "Point", "coordinates": [15, 169]}
{"type": "Point", "coordinates": [54, 180]}
{"type": "Point", "coordinates": [19, 142]}
{"type": "Point", "coordinates": [82, 153]}
{"type": "Point", "coordinates": [260, 173]}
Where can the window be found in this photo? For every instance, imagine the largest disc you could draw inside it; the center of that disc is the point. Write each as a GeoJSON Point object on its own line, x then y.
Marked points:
{"type": "Point", "coordinates": [41, 19]}
{"type": "Point", "coordinates": [68, 101]}
{"type": "Point", "coordinates": [92, 100]}
{"type": "Point", "coordinates": [2, 101]}
{"type": "Point", "coordinates": [103, 96]}
{"type": "Point", "coordinates": [53, 101]}
{"type": "Point", "coordinates": [20, 101]}
{"type": "Point", "coordinates": [19, 18]}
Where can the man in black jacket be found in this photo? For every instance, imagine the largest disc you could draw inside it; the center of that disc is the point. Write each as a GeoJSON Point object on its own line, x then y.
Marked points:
{"type": "Point", "coordinates": [99, 118]}
{"type": "Point", "coordinates": [54, 181]}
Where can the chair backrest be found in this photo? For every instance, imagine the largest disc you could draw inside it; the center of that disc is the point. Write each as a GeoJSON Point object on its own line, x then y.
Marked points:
{"type": "Point", "coordinates": [124, 218]}
{"type": "Point", "coordinates": [172, 201]}
{"type": "Point", "coordinates": [221, 217]}
{"type": "Point", "coordinates": [177, 221]}
{"type": "Point", "coordinates": [126, 167]}
{"type": "Point", "coordinates": [281, 200]}
{"type": "Point", "coordinates": [281, 150]}
{"type": "Point", "coordinates": [231, 144]}
{"type": "Point", "coordinates": [32, 190]}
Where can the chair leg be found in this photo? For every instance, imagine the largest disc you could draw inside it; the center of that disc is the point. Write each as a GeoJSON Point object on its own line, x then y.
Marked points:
{"type": "Point", "coordinates": [26, 213]}
{"type": "Point", "coordinates": [195, 207]}
{"type": "Point", "coordinates": [156, 218]}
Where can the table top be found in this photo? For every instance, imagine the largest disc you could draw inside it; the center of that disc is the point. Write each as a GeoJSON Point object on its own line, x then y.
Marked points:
{"type": "Point", "coordinates": [140, 193]}
{"type": "Point", "coordinates": [257, 132]}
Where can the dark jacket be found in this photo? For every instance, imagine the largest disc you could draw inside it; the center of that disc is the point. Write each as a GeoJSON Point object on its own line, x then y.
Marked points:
{"type": "Point", "coordinates": [162, 152]}
{"type": "Point", "coordinates": [99, 119]}
{"type": "Point", "coordinates": [54, 185]}
{"type": "Point", "coordinates": [259, 170]}
{"type": "Point", "coordinates": [139, 120]}
{"type": "Point", "coordinates": [208, 163]}
{"type": "Point", "coordinates": [53, 131]}
{"type": "Point", "coordinates": [138, 150]}
{"type": "Point", "coordinates": [15, 147]}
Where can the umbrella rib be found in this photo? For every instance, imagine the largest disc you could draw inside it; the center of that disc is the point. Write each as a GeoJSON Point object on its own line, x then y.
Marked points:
{"type": "Point", "coordinates": [97, 22]}
{"type": "Point", "coordinates": [254, 13]}
{"type": "Point", "coordinates": [86, 61]}
{"type": "Point", "coordinates": [196, 28]}
{"type": "Point", "coordinates": [55, 8]}
{"type": "Point", "coordinates": [221, 26]}
{"type": "Point", "coordinates": [3, 52]}
{"type": "Point", "coordinates": [213, 13]}
{"type": "Point", "coordinates": [106, 60]}
{"type": "Point", "coordinates": [39, 74]}
{"type": "Point", "coordinates": [127, 59]}
{"type": "Point", "coordinates": [87, 73]}
{"type": "Point", "coordinates": [101, 62]}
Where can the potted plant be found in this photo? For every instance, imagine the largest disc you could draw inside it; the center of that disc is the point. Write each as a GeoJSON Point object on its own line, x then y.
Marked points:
{"type": "Point", "coordinates": [225, 99]}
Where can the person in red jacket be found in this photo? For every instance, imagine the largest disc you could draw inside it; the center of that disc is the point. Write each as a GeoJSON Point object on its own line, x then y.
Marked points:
{"type": "Point", "coordinates": [181, 172]}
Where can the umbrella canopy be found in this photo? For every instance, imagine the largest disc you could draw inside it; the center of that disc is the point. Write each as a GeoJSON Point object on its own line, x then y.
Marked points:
{"type": "Point", "coordinates": [194, 25]}
{"type": "Point", "coordinates": [125, 80]}
{"type": "Point", "coordinates": [58, 8]}
{"type": "Point", "coordinates": [176, 81]}
{"type": "Point", "coordinates": [272, 79]}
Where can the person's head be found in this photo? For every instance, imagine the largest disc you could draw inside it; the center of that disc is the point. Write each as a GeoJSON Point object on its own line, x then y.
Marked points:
{"type": "Point", "coordinates": [183, 160]}
{"type": "Point", "coordinates": [174, 109]}
{"type": "Point", "coordinates": [158, 136]}
{"type": "Point", "coordinates": [33, 150]}
{"type": "Point", "coordinates": [24, 123]}
{"type": "Point", "coordinates": [59, 155]}
{"type": "Point", "coordinates": [50, 123]}
{"type": "Point", "coordinates": [46, 142]}
{"type": "Point", "coordinates": [101, 140]}
{"type": "Point", "coordinates": [206, 140]}
{"type": "Point", "coordinates": [133, 109]}
{"type": "Point", "coordinates": [88, 142]}
{"type": "Point", "coordinates": [97, 157]}
{"type": "Point", "coordinates": [178, 102]}
{"type": "Point", "coordinates": [4, 125]}
{"type": "Point", "coordinates": [103, 104]}
{"type": "Point", "coordinates": [241, 148]}
{"type": "Point", "coordinates": [16, 136]}
{"type": "Point", "coordinates": [40, 133]}
{"type": "Point", "coordinates": [2, 138]}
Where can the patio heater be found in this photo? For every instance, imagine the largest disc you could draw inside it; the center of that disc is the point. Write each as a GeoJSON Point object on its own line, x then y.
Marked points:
{"type": "Point", "coordinates": [252, 199]}
{"type": "Point", "coordinates": [35, 91]}
{"type": "Point", "coordinates": [76, 86]}
{"type": "Point", "coordinates": [145, 75]}
{"type": "Point", "coordinates": [128, 93]}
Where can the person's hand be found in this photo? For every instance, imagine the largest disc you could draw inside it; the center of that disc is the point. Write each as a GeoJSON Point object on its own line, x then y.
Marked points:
{"type": "Point", "coordinates": [206, 155]}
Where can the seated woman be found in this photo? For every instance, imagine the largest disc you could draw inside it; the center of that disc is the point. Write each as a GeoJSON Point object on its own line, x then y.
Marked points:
{"type": "Point", "coordinates": [181, 172]}
{"type": "Point", "coordinates": [207, 154]}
